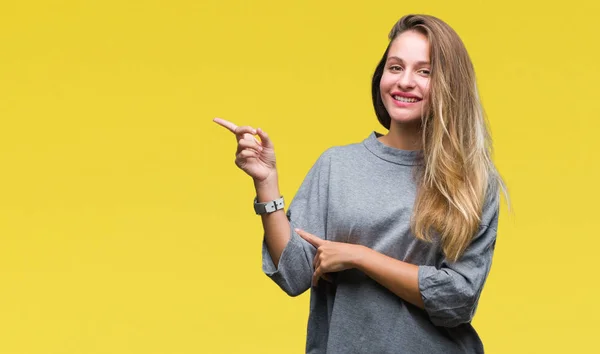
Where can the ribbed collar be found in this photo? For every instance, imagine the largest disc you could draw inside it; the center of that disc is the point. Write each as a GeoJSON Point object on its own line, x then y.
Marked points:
{"type": "Point", "coordinates": [391, 154]}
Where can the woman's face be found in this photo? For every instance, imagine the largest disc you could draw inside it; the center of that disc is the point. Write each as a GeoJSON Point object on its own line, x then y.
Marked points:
{"type": "Point", "coordinates": [404, 84]}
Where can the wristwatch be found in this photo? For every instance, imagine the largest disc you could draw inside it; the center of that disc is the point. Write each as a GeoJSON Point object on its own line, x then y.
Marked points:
{"type": "Point", "coordinates": [268, 207]}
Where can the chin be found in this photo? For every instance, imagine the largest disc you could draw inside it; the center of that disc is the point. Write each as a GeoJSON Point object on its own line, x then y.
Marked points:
{"type": "Point", "coordinates": [404, 115]}
{"type": "Point", "coordinates": [405, 119]}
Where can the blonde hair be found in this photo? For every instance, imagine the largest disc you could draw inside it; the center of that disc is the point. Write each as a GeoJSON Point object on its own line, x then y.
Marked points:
{"type": "Point", "coordinates": [458, 175]}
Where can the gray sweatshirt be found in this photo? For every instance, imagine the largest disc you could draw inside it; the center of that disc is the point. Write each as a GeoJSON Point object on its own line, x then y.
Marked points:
{"type": "Point", "coordinates": [364, 194]}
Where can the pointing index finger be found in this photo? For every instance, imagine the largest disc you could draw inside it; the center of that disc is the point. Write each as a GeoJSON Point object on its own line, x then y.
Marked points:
{"type": "Point", "coordinates": [225, 123]}
{"type": "Point", "coordinates": [312, 239]}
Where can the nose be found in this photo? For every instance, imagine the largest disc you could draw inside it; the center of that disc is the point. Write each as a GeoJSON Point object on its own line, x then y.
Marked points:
{"type": "Point", "coordinates": [406, 80]}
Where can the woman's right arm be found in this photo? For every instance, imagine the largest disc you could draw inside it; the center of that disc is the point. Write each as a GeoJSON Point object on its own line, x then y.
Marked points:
{"type": "Point", "coordinates": [257, 159]}
{"type": "Point", "coordinates": [276, 225]}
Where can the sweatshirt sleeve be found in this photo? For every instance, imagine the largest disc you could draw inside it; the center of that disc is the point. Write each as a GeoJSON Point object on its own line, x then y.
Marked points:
{"type": "Point", "coordinates": [451, 292]}
{"type": "Point", "coordinates": [307, 211]}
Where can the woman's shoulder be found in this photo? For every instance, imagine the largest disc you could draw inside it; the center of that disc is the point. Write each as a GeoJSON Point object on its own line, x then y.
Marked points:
{"type": "Point", "coordinates": [345, 150]}
{"type": "Point", "coordinates": [491, 206]}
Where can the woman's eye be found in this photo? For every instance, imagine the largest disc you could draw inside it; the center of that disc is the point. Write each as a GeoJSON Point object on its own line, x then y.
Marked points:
{"type": "Point", "coordinates": [395, 68]}
{"type": "Point", "coordinates": [425, 72]}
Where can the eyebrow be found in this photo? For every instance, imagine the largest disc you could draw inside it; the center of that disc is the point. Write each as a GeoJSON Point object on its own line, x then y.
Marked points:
{"type": "Point", "coordinates": [402, 61]}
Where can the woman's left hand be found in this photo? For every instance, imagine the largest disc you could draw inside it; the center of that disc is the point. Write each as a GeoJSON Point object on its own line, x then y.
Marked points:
{"type": "Point", "coordinates": [331, 256]}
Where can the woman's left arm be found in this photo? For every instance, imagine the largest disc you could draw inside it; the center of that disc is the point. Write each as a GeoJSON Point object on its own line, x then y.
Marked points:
{"type": "Point", "coordinates": [449, 293]}
{"type": "Point", "coordinates": [399, 277]}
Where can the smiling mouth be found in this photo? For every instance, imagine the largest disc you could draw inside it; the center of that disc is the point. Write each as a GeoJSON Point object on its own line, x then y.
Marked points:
{"type": "Point", "coordinates": [406, 99]}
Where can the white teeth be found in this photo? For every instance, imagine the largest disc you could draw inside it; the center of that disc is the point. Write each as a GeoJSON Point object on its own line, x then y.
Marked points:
{"type": "Point", "coordinates": [405, 99]}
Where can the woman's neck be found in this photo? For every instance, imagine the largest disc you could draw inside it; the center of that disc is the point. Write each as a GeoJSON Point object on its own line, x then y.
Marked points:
{"type": "Point", "coordinates": [404, 136]}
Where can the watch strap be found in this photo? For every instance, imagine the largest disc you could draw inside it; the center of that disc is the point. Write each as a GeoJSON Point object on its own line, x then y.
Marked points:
{"type": "Point", "coordinates": [268, 207]}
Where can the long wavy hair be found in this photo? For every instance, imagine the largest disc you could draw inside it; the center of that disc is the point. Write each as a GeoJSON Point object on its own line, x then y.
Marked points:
{"type": "Point", "coordinates": [458, 173]}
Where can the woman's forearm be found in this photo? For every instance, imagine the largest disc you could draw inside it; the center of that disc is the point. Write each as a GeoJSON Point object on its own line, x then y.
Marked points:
{"type": "Point", "coordinates": [399, 277]}
{"type": "Point", "coordinates": [276, 224]}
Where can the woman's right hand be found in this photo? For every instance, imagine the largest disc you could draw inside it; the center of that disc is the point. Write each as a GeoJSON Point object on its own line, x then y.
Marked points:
{"type": "Point", "coordinates": [256, 158]}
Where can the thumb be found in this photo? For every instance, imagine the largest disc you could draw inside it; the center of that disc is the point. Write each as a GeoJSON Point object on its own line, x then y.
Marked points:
{"type": "Point", "coordinates": [264, 138]}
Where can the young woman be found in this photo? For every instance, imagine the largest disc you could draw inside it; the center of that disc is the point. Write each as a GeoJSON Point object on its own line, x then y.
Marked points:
{"type": "Point", "coordinates": [396, 233]}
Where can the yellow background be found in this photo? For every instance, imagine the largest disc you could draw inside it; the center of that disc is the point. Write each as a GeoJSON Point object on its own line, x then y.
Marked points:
{"type": "Point", "coordinates": [125, 226]}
